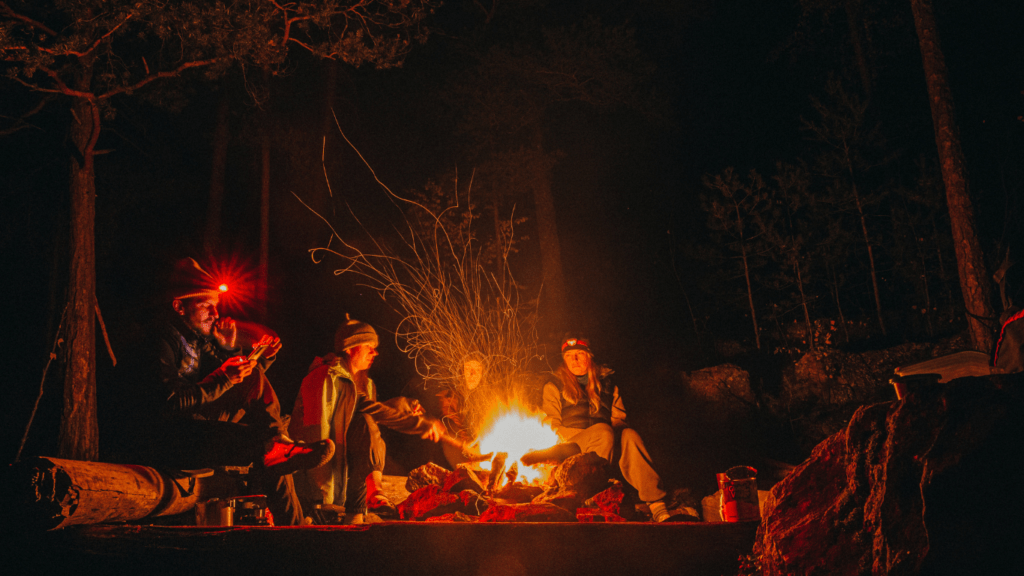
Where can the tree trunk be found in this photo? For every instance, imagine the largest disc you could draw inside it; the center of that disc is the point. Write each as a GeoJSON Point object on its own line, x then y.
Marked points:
{"type": "Point", "coordinates": [871, 251]}
{"type": "Point", "coordinates": [750, 294]}
{"type": "Point", "coordinates": [970, 260]}
{"type": "Point", "coordinates": [856, 25]}
{"type": "Point", "coordinates": [553, 278]}
{"type": "Point", "coordinates": [79, 432]}
{"type": "Point", "coordinates": [803, 302]}
{"type": "Point", "coordinates": [52, 493]}
{"type": "Point", "coordinates": [221, 138]}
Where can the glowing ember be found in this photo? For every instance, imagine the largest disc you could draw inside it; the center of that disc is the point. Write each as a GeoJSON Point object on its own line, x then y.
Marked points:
{"type": "Point", "coordinates": [516, 431]}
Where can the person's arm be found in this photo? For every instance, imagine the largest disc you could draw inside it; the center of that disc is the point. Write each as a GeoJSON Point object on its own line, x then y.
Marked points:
{"type": "Point", "coordinates": [183, 396]}
{"type": "Point", "coordinates": [551, 404]}
{"type": "Point", "coordinates": [618, 411]}
{"type": "Point", "coordinates": [402, 415]}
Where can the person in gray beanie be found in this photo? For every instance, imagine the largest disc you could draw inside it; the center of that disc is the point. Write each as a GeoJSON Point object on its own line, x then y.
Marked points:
{"type": "Point", "coordinates": [338, 401]}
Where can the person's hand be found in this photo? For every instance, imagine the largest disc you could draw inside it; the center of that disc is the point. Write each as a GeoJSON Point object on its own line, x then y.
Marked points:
{"type": "Point", "coordinates": [436, 431]}
{"type": "Point", "coordinates": [225, 332]}
{"type": "Point", "coordinates": [273, 347]}
{"type": "Point", "coordinates": [237, 368]}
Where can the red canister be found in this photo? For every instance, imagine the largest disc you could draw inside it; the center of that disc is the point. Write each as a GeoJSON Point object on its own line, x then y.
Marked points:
{"type": "Point", "coordinates": [739, 494]}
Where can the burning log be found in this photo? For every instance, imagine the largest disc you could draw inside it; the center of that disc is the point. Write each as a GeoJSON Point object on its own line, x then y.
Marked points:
{"type": "Point", "coordinates": [51, 493]}
{"type": "Point", "coordinates": [512, 474]}
{"type": "Point", "coordinates": [497, 470]}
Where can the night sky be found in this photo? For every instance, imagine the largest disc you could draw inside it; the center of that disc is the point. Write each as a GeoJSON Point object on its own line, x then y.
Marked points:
{"type": "Point", "coordinates": [735, 76]}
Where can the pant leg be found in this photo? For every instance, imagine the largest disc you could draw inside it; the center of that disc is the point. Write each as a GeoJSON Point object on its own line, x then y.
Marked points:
{"type": "Point", "coordinates": [378, 450]}
{"type": "Point", "coordinates": [359, 450]}
{"type": "Point", "coordinates": [637, 469]}
{"type": "Point", "coordinates": [252, 402]}
{"type": "Point", "coordinates": [599, 439]}
{"type": "Point", "coordinates": [184, 443]}
{"type": "Point", "coordinates": [281, 498]}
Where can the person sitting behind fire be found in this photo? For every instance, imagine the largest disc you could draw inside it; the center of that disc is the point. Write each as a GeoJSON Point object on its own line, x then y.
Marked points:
{"type": "Point", "coordinates": [457, 409]}
{"type": "Point", "coordinates": [584, 408]}
{"type": "Point", "coordinates": [337, 400]}
{"type": "Point", "coordinates": [194, 402]}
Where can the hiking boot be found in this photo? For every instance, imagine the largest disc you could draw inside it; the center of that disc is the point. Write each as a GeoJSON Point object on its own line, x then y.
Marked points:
{"type": "Point", "coordinates": [380, 505]}
{"type": "Point", "coordinates": [283, 458]}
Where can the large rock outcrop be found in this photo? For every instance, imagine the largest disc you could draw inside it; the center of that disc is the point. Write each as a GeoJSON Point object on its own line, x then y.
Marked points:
{"type": "Point", "coordinates": [929, 484]}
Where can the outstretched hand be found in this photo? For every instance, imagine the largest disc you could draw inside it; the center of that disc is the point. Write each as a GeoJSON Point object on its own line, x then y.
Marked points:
{"type": "Point", "coordinates": [436, 431]}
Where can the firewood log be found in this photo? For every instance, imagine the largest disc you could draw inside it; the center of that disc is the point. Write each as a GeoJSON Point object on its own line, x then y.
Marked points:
{"type": "Point", "coordinates": [51, 493]}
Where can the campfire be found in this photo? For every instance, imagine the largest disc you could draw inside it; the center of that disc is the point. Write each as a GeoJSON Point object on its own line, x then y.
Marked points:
{"type": "Point", "coordinates": [514, 429]}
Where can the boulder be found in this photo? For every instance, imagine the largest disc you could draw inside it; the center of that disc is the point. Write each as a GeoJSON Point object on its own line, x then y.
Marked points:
{"type": "Point", "coordinates": [726, 384]}
{"type": "Point", "coordinates": [858, 504]}
{"type": "Point", "coordinates": [585, 474]}
{"type": "Point", "coordinates": [610, 505]}
{"type": "Point", "coordinates": [425, 475]}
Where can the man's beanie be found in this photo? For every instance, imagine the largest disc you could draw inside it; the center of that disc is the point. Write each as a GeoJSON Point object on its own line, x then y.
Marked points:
{"type": "Point", "coordinates": [575, 342]}
{"type": "Point", "coordinates": [353, 333]}
{"type": "Point", "coordinates": [189, 280]}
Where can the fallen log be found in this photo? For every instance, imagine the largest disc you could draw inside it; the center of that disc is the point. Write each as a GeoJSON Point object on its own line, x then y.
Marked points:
{"type": "Point", "coordinates": [51, 493]}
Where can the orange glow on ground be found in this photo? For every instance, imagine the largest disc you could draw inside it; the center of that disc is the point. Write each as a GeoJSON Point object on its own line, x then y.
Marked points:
{"type": "Point", "coordinates": [516, 430]}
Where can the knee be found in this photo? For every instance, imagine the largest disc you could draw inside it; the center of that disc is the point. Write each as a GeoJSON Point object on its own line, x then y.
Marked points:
{"type": "Point", "coordinates": [630, 437]}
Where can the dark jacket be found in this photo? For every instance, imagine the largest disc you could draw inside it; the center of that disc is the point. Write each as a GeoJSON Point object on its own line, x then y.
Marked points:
{"type": "Point", "coordinates": [188, 369]}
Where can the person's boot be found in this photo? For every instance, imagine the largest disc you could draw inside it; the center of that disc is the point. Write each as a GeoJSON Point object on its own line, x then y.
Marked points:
{"type": "Point", "coordinates": [659, 512]}
{"type": "Point", "coordinates": [281, 458]}
{"type": "Point", "coordinates": [376, 501]}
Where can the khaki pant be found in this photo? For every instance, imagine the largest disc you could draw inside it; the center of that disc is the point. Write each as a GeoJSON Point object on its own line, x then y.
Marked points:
{"type": "Point", "coordinates": [634, 462]}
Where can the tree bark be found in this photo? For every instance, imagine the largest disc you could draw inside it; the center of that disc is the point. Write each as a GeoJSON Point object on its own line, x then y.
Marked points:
{"type": "Point", "coordinates": [870, 248]}
{"type": "Point", "coordinates": [52, 493]}
{"type": "Point", "coordinates": [969, 256]}
{"type": "Point", "coordinates": [79, 432]}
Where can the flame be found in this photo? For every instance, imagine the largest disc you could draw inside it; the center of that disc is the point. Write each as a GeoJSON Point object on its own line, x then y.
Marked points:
{"type": "Point", "coordinates": [516, 430]}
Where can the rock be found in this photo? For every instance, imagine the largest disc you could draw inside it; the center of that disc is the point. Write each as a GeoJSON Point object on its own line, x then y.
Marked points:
{"type": "Point", "coordinates": [453, 517]}
{"type": "Point", "coordinates": [585, 474]}
{"type": "Point", "coordinates": [596, 515]}
{"type": "Point", "coordinates": [423, 500]}
{"type": "Point", "coordinates": [614, 501]}
{"type": "Point", "coordinates": [566, 499]}
{"type": "Point", "coordinates": [727, 384]}
{"type": "Point", "coordinates": [527, 513]}
{"type": "Point", "coordinates": [857, 505]}
{"type": "Point", "coordinates": [518, 493]}
{"type": "Point", "coordinates": [431, 501]}
{"type": "Point", "coordinates": [425, 475]}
